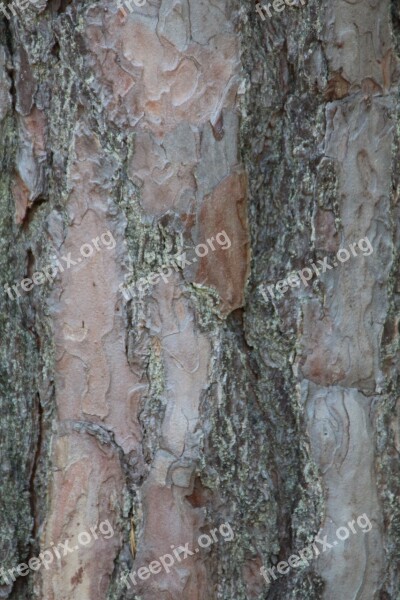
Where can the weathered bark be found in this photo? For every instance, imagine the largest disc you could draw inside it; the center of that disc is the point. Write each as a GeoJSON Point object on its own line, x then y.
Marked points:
{"type": "Point", "coordinates": [199, 402]}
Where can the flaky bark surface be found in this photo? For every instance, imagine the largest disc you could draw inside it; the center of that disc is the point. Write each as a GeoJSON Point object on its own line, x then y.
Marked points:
{"type": "Point", "coordinates": [200, 403]}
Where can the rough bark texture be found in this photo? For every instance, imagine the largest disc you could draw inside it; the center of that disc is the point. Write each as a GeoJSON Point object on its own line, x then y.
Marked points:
{"type": "Point", "coordinates": [199, 402]}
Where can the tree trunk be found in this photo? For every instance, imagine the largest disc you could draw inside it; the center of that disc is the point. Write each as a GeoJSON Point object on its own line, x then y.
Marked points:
{"type": "Point", "coordinates": [193, 140]}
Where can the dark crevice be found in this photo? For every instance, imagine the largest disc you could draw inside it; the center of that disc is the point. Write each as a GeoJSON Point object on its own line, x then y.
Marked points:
{"type": "Point", "coordinates": [60, 6]}
{"type": "Point", "coordinates": [38, 410]}
{"type": "Point", "coordinates": [31, 212]}
{"type": "Point", "coordinates": [200, 495]}
{"type": "Point", "coordinates": [30, 263]}
{"type": "Point", "coordinates": [55, 51]}
{"type": "Point", "coordinates": [10, 68]}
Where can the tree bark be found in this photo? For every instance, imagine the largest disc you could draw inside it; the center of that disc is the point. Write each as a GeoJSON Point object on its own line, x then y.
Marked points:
{"type": "Point", "coordinates": [201, 400]}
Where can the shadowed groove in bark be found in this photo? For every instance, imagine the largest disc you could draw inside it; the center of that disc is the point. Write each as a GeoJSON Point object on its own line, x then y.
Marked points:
{"type": "Point", "coordinates": [387, 415]}
{"type": "Point", "coordinates": [281, 137]}
{"type": "Point", "coordinates": [26, 388]}
{"type": "Point", "coordinates": [281, 126]}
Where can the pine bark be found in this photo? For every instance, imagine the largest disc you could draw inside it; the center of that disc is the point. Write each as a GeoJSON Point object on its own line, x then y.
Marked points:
{"type": "Point", "coordinates": [200, 401]}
